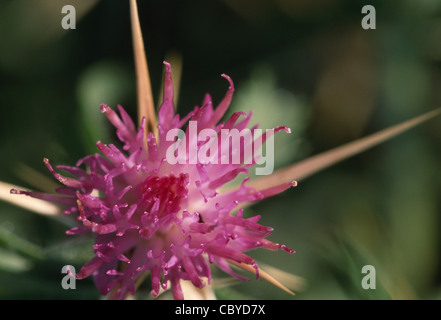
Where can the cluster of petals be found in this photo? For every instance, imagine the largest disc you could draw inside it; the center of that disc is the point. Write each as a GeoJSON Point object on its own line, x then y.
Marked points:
{"type": "Point", "coordinates": [171, 220]}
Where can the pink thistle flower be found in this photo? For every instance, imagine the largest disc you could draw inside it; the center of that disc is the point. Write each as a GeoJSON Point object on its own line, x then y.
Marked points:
{"type": "Point", "coordinates": [169, 219]}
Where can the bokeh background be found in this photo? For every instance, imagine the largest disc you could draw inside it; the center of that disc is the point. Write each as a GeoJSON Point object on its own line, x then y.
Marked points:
{"type": "Point", "coordinates": [307, 64]}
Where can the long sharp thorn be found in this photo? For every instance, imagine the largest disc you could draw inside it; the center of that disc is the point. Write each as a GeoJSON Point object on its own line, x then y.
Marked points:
{"type": "Point", "coordinates": [264, 275]}
{"type": "Point", "coordinates": [308, 167]}
{"type": "Point", "coordinates": [146, 107]}
{"type": "Point", "coordinates": [8, 193]}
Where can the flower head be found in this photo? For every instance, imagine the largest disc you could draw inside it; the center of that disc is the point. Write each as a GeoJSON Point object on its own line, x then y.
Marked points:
{"type": "Point", "coordinates": [170, 218]}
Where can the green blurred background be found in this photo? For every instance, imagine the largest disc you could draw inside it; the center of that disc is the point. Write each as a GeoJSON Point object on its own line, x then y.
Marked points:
{"type": "Point", "coordinates": [307, 64]}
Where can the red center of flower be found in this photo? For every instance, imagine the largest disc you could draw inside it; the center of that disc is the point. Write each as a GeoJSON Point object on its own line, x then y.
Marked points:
{"type": "Point", "coordinates": [162, 196]}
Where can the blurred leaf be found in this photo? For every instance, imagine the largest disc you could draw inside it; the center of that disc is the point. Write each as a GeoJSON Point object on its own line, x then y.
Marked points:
{"type": "Point", "coordinates": [23, 246]}
{"type": "Point", "coordinates": [104, 82]}
{"type": "Point", "coordinates": [264, 96]}
{"type": "Point", "coordinates": [413, 216]}
{"type": "Point", "coordinates": [12, 262]}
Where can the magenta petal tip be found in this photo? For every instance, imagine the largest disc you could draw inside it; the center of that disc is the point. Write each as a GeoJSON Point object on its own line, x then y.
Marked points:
{"type": "Point", "coordinates": [167, 66]}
